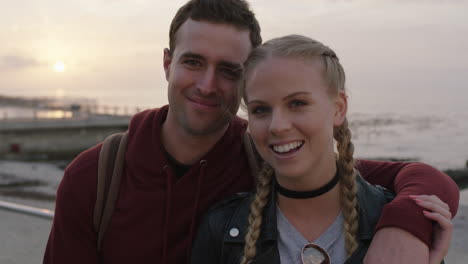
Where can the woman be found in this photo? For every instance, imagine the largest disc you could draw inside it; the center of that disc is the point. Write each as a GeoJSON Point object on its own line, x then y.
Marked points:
{"type": "Point", "coordinates": [310, 204]}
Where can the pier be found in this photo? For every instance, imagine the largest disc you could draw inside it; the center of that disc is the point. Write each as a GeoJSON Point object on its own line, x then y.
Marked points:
{"type": "Point", "coordinates": [43, 129]}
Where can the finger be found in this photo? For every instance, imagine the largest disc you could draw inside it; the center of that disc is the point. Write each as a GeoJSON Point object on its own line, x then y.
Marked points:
{"type": "Point", "coordinates": [443, 229]}
{"type": "Point", "coordinates": [445, 223]}
{"type": "Point", "coordinates": [435, 208]}
{"type": "Point", "coordinates": [431, 198]}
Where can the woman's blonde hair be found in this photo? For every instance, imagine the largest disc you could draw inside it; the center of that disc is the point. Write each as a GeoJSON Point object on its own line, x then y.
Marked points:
{"type": "Point", "coordinates": [306, 49]}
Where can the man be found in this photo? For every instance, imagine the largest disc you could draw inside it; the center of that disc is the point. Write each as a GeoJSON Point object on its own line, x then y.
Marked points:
{"type": "Point", "coordinates": [184, 157]}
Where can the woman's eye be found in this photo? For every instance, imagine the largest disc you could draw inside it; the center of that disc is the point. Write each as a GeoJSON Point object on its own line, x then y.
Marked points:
{"type": "Point", "coordinates": [258, 110]}
{"type": "Point", "coordinates": [297, 103]}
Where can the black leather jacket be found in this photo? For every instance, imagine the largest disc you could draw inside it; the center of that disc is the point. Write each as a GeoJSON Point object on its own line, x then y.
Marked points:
{"type": "Point", "coordinates": [218, 241]}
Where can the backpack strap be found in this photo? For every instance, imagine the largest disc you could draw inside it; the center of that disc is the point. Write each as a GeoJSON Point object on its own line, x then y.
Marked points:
{"type": "Point", "coordinates": [110, 168]}
{"type": "Point", "coordinates": [253, 157]}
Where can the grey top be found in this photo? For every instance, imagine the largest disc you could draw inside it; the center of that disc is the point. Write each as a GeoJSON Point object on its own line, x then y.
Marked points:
{"type": "Point", "coordinates": [291, 242]}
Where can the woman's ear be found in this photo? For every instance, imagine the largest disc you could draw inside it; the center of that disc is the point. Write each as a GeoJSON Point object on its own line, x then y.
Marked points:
{"type": "Point", "coordinates": [341, 108]}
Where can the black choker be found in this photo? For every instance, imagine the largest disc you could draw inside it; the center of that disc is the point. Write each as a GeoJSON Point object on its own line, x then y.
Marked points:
{"type": "Point", "coordinates": [309, 194]}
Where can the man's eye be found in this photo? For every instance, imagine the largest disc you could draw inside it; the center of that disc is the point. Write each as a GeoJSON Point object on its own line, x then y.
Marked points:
{"type": "Point", "coordinates": [192, 63]}
{"type": "Point", "coordinates": [231, 74]}
{"type": "Point", "coordinates": [297, 103]}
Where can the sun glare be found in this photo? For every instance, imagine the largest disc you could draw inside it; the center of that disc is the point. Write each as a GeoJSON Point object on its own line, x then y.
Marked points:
{"type": "Point", "coordinates": [59, 66]}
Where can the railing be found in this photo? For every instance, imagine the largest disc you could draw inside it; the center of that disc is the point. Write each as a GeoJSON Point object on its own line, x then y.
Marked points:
{"type": "Point", "coordinates": [28, 210]}
{"type": "Point", "coordinates": [70, 112]}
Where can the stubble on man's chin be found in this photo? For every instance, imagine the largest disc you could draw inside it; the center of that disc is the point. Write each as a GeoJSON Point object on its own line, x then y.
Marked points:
{"type": "Point", "coordinates": [218, 125]}
{"type": "Point", "coordinates": [215, 127]}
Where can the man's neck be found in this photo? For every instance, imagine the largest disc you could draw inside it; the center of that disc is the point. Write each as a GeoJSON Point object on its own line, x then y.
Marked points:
{"type": "Point", "coordinates": [186, 147]}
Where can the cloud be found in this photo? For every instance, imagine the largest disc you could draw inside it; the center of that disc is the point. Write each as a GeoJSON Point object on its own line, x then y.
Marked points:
{"type": "Point", "coordinates": [16, 62]}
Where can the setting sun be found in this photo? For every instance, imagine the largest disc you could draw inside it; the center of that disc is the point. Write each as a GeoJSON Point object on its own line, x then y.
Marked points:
{"type": "Point", "coordinates": [59, 66]}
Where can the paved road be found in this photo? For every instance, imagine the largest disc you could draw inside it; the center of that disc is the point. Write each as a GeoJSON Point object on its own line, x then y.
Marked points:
{"type": "Point", "coordinates": [458, 252]}
{"type": "Point", "coordinates": [23, 237]}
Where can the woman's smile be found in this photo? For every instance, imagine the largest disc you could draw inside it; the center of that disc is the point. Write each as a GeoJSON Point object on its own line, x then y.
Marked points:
{"type": "Point", "coordinates": [287, 148]}
{"type": "Point", "coordinates": [290, 110]}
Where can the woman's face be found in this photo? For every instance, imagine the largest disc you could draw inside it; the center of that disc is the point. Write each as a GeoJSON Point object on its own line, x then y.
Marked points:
{"type": "Point", "coordinates": [291, 116]}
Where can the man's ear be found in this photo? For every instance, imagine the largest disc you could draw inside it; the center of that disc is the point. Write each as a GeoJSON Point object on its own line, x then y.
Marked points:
{"type": "Point", "coordinates": [341, 108]}
{"type": "Point", "coordinates": [167, 62]}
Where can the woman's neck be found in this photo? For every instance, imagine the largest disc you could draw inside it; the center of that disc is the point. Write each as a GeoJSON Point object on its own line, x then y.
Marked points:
{"type": "Point", "coordinates": [322, 173]}
{"type": "Point", "coordinates": [312, 216]}
{"type": "Point", "coordinates": [327, 203]}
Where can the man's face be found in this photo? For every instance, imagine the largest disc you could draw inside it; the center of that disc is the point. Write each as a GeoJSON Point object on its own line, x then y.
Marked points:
{"type": "Point", "coordinates": [203, 73]}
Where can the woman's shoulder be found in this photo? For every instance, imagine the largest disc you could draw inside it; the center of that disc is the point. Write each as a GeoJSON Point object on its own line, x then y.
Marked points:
{"type": "Point", "coordinates": [223, 224]}
{"type": "Point", "coordinates": [371, 200]}
{"type": "Point", "coordinates": [227, 208]}
{"type": "Point", "coordinates": [380, 194]}
{"type": "Point", "coordinates": [228, 220]}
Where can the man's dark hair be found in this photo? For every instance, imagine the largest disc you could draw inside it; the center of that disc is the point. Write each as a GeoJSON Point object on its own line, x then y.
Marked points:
{"type": "Point", "coordinates": [231, 12]}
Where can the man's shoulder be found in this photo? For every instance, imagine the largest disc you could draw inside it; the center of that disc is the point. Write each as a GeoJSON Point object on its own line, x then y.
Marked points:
{"type": "Point", "coordinates": [77, 189]}
{"type": "Point", "coordinates": [145, 120]}
{"type": "Point", "coordinates": [81, 174]}
{"type": "Point", "coordinates": [85, 162]}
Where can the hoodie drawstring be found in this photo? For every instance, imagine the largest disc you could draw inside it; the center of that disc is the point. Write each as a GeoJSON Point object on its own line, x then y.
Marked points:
{"type": "Point", "coordinates": [168, 207]}
{"type": "Point", "coordinates": [201, 175]}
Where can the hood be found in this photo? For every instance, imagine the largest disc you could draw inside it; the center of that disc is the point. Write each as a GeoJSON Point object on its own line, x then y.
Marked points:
{"type": "Point", "coordinates": [145, 151]}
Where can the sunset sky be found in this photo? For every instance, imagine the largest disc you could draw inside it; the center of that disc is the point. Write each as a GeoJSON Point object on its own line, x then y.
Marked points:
{"type": "Point", "coordinates": [112, 49]}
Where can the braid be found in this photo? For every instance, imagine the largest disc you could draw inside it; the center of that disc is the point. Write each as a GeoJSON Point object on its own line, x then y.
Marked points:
{"type": "Point", "coordinates": [348, 187]}
{"type": "Point", "coordinates": [256, 210]}
{"type": "Point", "coordinates": [304, 48]}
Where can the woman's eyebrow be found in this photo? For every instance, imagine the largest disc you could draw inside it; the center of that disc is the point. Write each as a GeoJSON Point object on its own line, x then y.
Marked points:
{"type": "Point", "coordinates": [295, 94]}
{"type": "Point", "coordinates": [257, 101]}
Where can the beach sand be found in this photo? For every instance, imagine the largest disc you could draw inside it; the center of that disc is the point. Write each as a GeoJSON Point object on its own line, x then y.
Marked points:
{"type": "Point", "coordinates": [24, 237]}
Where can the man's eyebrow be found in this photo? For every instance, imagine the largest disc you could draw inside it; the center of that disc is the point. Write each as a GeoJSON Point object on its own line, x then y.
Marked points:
{"type": "Point", "coordinates": [224, 63]}
{"type": "Point", "coordinates": [192, 55]}
{"type": "Point", "coordinates": [232, 65]}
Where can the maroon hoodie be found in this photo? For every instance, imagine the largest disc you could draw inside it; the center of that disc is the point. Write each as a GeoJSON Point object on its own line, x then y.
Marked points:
{"type": "Point", "coordinates": [156, 214]}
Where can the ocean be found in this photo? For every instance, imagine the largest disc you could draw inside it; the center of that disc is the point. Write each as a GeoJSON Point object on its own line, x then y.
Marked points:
{"type": "Point", "coordinates": [405, 61]}
{"type": "Point", "coordinates": [387, 126]}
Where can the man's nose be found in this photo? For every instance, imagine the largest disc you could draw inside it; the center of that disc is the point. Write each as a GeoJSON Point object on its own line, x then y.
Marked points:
{"type": "Point", "coordinates": [207, 83]}
{"type": "Point", "coordinates": [280, 123]}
